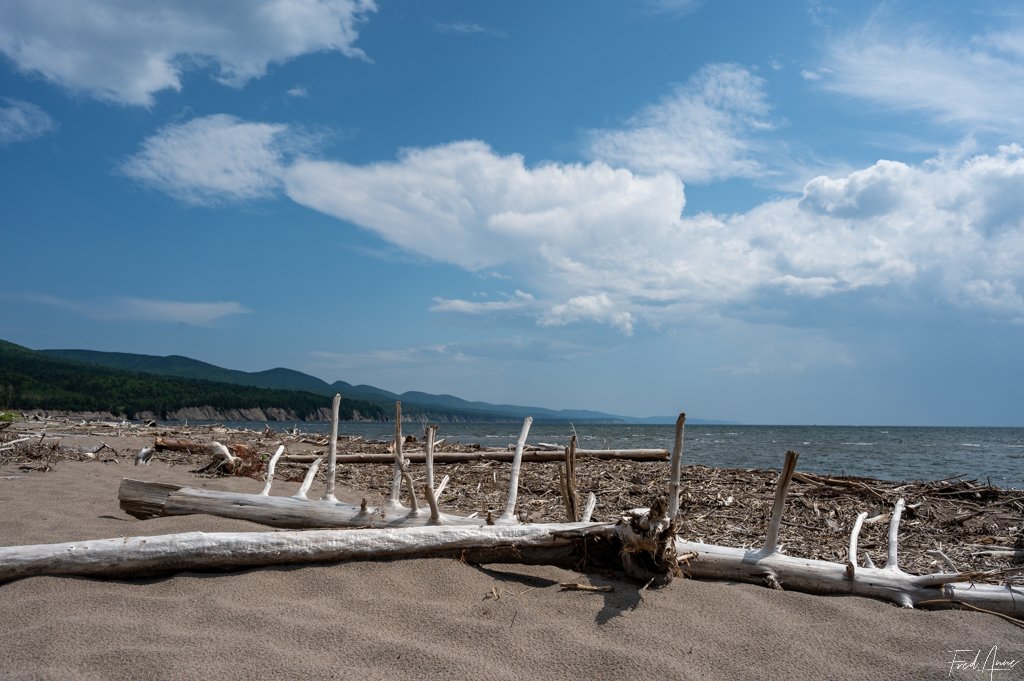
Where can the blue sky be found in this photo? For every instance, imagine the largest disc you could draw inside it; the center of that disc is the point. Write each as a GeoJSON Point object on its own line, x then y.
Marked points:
{"type": "Point", "coordinates": [795, 212]}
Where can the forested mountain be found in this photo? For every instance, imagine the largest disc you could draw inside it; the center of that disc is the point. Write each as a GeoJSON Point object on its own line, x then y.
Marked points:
{"type": "Point", "coordinates": [447, 407]}
{"type": "Point", "coordinates": [126, 383]}
{"type": "Point", "coordinates": [35, 380]}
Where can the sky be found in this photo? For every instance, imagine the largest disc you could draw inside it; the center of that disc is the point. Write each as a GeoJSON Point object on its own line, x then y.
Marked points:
{"type": "Point", "coordinates": [802, 212]}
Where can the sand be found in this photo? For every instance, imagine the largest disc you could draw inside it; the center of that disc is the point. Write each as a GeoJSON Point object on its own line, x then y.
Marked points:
{"type": "Point", "coordinates": [429, 619]}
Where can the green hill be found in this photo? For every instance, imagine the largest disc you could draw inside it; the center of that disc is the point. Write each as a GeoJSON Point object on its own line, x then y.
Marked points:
{"type": "Point", "coordinates": [366, 400]}
{"type": "Point", "coordinates": [437, 407]}
{"type": "Point", "coordinates": [36, 380]}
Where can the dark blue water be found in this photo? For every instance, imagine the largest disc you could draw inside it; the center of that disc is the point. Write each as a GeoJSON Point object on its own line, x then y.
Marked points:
{"type": "Point", "coordinates": [993, 455]}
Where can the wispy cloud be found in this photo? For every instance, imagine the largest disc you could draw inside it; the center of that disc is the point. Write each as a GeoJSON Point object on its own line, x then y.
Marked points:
{"type": "Point", "coordinates": [389, 357]}
{"type": "Point", "coordinates": [143, 309]}
{"type": "Point", "coordinates": [298, 92]}
{"type": "Point", "coordinates": [676, 8]}
{"type": "Point", "coordinates": [514, 348]}
{"type": "Point", "coordinates": [977, 81]}
{"type": "Point", "coordinates": [213, 159]}
{"type": "Point", "coordinates": [126, 52]}
{"type": "Point", "coordinates": [517, 301]}
{"type": "Point", "coordinates": [21, 121]}
{"type": "Point", "coordinates": [466, 28]}
{"type": "Point", "coordinates": [704, 130]}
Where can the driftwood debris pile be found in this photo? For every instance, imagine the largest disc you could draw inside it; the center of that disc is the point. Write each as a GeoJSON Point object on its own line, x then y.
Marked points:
{"type": "Point", "coordinates": [973, 525]}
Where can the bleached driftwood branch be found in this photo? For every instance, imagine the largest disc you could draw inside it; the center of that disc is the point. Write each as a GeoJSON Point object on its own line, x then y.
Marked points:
{"type": "Point", "coordinates": [570, 545]}
{"type": "Point", "coordinates": [332, 455]}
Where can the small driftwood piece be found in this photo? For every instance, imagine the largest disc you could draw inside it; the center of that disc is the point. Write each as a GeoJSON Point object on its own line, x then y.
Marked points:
{"type": "Point", "coordinates": [567, 482]}
{"type": "Point", "coordinates": [230, 458]}
{"type": "Point", "coordinates": [332, 459]}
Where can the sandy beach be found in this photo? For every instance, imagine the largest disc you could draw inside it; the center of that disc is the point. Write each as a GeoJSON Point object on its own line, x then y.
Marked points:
{"type": "Point", "coordinates": [432, 619]}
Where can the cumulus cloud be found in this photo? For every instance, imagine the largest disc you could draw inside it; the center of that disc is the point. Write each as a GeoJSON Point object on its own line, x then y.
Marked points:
{"type": "Point", "coordinates": [597, 308]}
{"type": "Point", "coordinates": [704, 130]}
{"type": "Point", "coordinates": [127, 50]}
{"type": "Point", "coordinates": [978, 82]}
{"type": "Point", "coordinates": [593, 243]}
{"type": "Point", "coordinates": [21, 121]}
{"type": "Point", "coordinates": [863, 193]}
{"type": "Point", "coordinates": [463, 204]}
{"type": "Point", "coordinates": [213, 159]}
{"type": "Point", "coordinates": [604, 245]}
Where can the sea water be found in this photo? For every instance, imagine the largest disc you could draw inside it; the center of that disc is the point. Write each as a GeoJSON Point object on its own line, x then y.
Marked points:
{"type": "Point", "coordinates": [989, 455]}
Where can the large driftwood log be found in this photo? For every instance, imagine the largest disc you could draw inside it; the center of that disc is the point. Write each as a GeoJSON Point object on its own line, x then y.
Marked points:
{"type": "Point", "coordinates": [154, 499]}
{"type": "Point", "coordinates": [639, 545]}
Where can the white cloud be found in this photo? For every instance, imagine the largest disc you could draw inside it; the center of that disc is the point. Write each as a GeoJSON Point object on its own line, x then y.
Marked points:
{"type": "Point", "coordinates": [704, 130]}
{"type": "Point", "coordinates": [212, 159]}
{"type": "Point", "coordinates": [127, 50]}
{"type": "Point", "coordinates": [198, 314]}
{"type": "Point", "coordinates": [977, 82]}
{"type": "Point", "coordinates": [388, 357]}
{"type": "Point", "coordinates": [517, 301]}
{"type": "Point", "coordinates": [597, 308]}
{"type": "Point", "coordinates": [597, 244]}
{"type": "Point", "coordinates": [143, 309]}
{"type": "Point", "coordinates": [466, 28]}
{"type": "Point", "coordinates": [21, 121]}
{"type": "Point", "coordinates": [298, 91]}
{"type": "Point", "coordinates": [463, 204]}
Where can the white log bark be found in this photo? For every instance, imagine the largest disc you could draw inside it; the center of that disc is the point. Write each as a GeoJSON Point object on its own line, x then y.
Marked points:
{"type": "Point", "coordinates": [137, 556]}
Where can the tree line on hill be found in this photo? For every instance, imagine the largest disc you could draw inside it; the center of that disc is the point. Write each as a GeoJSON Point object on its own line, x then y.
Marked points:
{"type": "Point", "coordinates": [30, 380]}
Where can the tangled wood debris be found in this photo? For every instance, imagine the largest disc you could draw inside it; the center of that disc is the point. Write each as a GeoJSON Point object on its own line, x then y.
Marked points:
{"type": "Point", "coordinates": [650, 543]}
{"type": "Point", "coordinates": [956, 522]}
